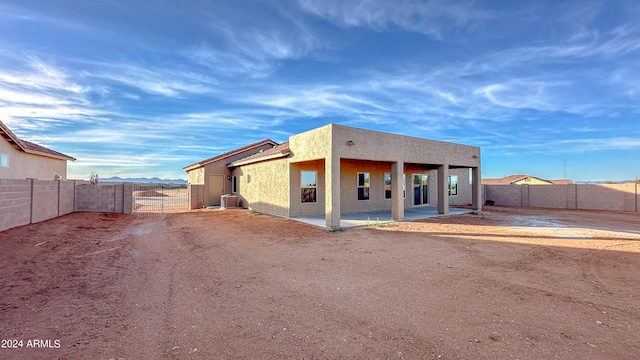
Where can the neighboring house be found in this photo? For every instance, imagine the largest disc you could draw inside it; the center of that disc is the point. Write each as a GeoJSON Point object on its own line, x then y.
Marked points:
{"type": "Point", "coordinates": [337, 169]}
{"type": "Point", "coordinates": [523, 180]}
{"type": "Point", "coordinates": [21, 159]}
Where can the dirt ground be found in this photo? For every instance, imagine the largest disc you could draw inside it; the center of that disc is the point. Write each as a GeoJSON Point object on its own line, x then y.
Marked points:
{"type": "Point", "coordinates": [211, 284]}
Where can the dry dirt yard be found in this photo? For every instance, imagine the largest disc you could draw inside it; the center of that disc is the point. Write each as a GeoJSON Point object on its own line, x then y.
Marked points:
{"type": "Point", "coordinates": [504, 284]}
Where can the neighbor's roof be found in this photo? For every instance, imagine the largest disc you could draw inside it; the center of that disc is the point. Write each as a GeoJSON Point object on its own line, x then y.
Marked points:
{"type": "Point", "coordinates": [29, 147]}
{"type": "Point", "coordinates": [229, 154]}
{"type": "Point", "coordinates": [278, 151]}
{"type": "Point", "coordinates": [507, 180]}
{"type": "Point", "coordinates": [561, 182]}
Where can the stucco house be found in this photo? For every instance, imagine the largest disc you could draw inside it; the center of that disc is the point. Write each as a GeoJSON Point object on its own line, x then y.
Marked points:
{"type": "Point", "coordinates": [215, 173]}
{"type": "Point", "coordinates": [338, 169]}
{"type": "Point", "coordinates": [523, 180]}
{"type": "Point", "coordinates": [21, 159]}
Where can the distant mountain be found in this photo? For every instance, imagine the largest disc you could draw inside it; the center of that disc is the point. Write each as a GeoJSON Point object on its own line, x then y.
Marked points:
{"type": "Point", "coordinates": [144, 180]}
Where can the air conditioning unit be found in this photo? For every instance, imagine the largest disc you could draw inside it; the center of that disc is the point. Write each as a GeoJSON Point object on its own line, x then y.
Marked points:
{"type": "Point", "coordinates": [57, 177]}
{"type": "Point", "coordinates": [228, 201]}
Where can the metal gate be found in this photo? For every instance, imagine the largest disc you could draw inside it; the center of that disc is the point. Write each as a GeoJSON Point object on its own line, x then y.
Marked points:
{"type": "Point", "coordinates": [160, 198]}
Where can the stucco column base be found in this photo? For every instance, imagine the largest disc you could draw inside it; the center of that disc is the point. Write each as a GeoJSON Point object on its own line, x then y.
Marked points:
{"type": "Point", "coordinates": [332, 192]}
{"type": "Point", "coordinates": [397, 198]}
{"type": "Point", "coordinates": [476, 189]}
{"type": "Point", "coordinates": [443, 189]}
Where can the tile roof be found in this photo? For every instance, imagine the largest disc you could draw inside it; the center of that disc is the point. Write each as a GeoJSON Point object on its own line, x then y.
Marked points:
{"type": "Point", "coordinates": [35, 148]}
{"type": "Point", "coordinates": [30, 147]}
{"type": "Point", "coordinates": [504, 181]}
{"type": "Point", "coordinates": [282, 149]}
{"type": "Point", "coordinates": [507, 180]}
{"type": "Point", "coordinates": [561, 182]}
{"type": "Point", "coordinates": [229, 154]}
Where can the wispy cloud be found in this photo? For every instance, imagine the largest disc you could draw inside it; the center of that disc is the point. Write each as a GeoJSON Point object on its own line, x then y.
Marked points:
{"type": "Point", "coordinates": [433, 18]}
{"type": "Point", "coordinates": [254, 47]}
{"type": "Point", "coordinates": [169, 82]}
{"type": "Point", "coordinates": [512, 79]}
{"type": "Point", "coordinates": [35, 94]}
{"type": "Point", "coordinates": [568, 146]}
{"type": "Point", "coordinates": [14, 13]}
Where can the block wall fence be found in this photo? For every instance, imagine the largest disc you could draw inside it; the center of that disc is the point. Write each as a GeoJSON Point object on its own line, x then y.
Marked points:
{"type": "Point", "coordinates": [616, 197]}
{"type": "Point", "coordinates": [30, 201]}
{"type": "Point", "coordinates": [196, 196]}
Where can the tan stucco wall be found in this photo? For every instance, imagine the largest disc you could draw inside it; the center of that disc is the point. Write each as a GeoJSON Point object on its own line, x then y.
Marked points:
{"type": "Point", "coordinates": [268, 191]}
{"type": "Point", "coordinates": [464, 188]}
{"type": "Point", "coordinates": [349, 196]}
{"type": "Point", "coordinates": [349, 170]}
{"type": "Point", "coordinates": [23, 165]}
{"type": "Point", "coordinates": [311, 145]}
{"type": "Point", "coordinates": [531, 181]}
{"type": "Point", "coordinates": [196, 176]}
{"type": "Point", "coordinates": [298, 208]}
{"type": "Point", "coordinates": [375, 145]}
{"type": "Point", "coordinates": [275, 186]}
{"type": "Point", "coordinates": [201, 175]}
{"type": "Point", "coordinates": [216, 168]}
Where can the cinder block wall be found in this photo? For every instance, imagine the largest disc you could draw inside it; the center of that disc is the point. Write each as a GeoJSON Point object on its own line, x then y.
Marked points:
{"type": "Point", "coordinates": [621, 197]}
{"type": "Point", "coordinates": [45, 200]}
{"type": "Point", "coordinates": [618, 197]}
{"type": "Point", "coordinates": [29, 201]}
{"type": "Point", "coordinates": [127, 206]}
{"type": "Point", "coordinates": [67, 197]}
{"type": "Point", "coordinates": [15, 203]}
{"type": "Point", "coordinates": [196, 196]}
{"type": "Point", "coordinates": [104, 198]}
{"type": "Point", "coordinates": [504, 195]}
{"type": "Point", "coordinates": [549, 196]}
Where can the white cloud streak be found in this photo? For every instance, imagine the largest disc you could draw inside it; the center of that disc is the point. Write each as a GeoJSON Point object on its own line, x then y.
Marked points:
{"type": "Point", "coordinates": [433, 18]}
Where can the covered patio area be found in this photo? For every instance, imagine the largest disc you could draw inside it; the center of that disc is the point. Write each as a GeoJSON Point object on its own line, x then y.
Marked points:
{"type": "Point", "coordinates": [380, 217]}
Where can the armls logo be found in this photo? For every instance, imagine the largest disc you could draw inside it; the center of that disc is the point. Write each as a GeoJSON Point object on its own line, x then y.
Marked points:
{"type": "Point", "coordinates": [39, 343]}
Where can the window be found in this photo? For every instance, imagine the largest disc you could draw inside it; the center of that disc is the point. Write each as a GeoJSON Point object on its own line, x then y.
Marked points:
{"type": "Point", "coordinates": [234, 184]}
{"type": "Point", "coordinates": [470, 176]}
{"type": "Point", "coordinates": [308, 186]}
{"type": "Point", "coordinates": [248, 178]}
{"type": "Point", "coordinates": [453, 185]}
{"type": "Point", "coordinates": [387, 185]}
{"type": "Point", "coordinates": [4, 160]}
{"type": "Point", "coordinates": [363, 186]}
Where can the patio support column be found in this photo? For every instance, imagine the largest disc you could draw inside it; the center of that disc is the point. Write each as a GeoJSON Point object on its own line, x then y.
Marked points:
{"type": "Point", "coordinates": [476, 190]}
{"type": "Point", "coordinates": [332, 192]}
{"type": "Point", "coordinates": [397, 198]}
{"type": "Point", "coordinates": [443, 189]}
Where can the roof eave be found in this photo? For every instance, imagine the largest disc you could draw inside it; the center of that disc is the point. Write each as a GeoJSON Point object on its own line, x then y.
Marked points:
{"type": "Point", "coordinates": [229, 154]}
{"type": "Point", "coordinates": [49, 155]}
{"type": "Point", "coordinates": [281, 154]}
{"type": "Point", "coordinates": [192, 167]}
{"type": "Point", "coordinates": [11, 137]}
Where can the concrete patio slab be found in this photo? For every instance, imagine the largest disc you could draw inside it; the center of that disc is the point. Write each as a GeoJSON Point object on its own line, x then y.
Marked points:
{"type": "Point", "coordinates": [380, 217]}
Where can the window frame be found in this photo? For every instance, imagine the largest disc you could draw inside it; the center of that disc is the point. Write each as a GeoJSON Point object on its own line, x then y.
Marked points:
{"type": "Point", "coordinates": [454, 183]}
{"type": "Point", "coordinates": [304, 187]}
{"type": "Point", "coordinates": [366, 186]}
{"type": "Point", "coordinates": [2, 160]}
{"type": "Point", "coordinates": [404, 186]}
{"type": "Point", "coordinates": [234, 184]}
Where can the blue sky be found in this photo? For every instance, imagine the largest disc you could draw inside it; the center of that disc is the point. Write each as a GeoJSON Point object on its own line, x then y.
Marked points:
{"type": "Point", "coordinates": [143, 88]}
